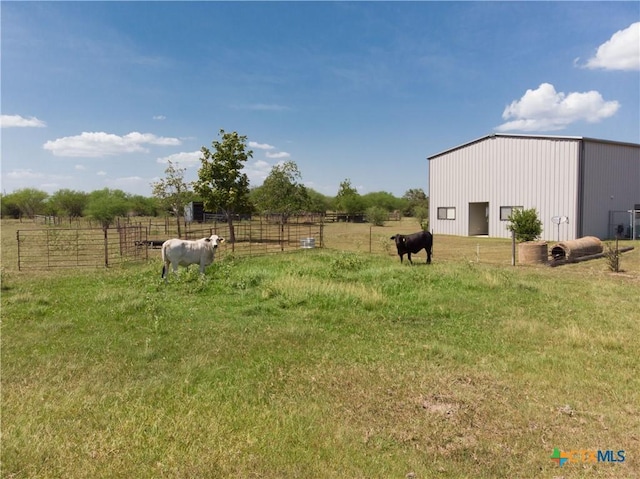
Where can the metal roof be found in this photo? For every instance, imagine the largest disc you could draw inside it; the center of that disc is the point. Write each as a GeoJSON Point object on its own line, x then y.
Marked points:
{"type": "Point", "coordinates": [542, 137]}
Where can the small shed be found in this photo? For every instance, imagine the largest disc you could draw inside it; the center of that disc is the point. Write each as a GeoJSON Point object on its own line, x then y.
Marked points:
{"type": "Point", "coordinates": [194, 211]}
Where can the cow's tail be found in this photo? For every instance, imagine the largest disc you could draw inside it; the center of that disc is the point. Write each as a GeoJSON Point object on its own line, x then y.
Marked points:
{"type": "Point", "coordinates": [164, 262]}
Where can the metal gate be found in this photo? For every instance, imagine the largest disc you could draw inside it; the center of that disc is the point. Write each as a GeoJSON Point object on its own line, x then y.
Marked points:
{"type": "Point", "coordinates": [80, 247]}
{"type": "Point", "coordinates": [624, 224]}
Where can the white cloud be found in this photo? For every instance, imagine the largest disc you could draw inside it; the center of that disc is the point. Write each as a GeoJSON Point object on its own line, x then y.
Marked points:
{"type": "Point", "coordinates": [620, 52]}
{"type": "Point", "coordinates": [257, 172]}
{"type": "Point", "coordinates": [545, 109]}
{"type": "Point", "coordinates": [24, 174]}
{"type": "Point", "coordinates": [30, 176]}
{"type": "Point", "coordinates": [100, 144]}
{"type": "Point", "coordinates": [260, 146]}
{"type": "Point", "coordinates": [278, 155]}
{"type": "Point", "coordinates": [80, 167]}
{"type": "Point", "coordinates": [132, 184]}
{"type": "Point", "coordinates": [128, 180]}
{"type": "Point", "coordinates": [265, 146]}
{"type": "Point", "coordinates": [184, 159]}
{"type": "Point", "coordinates": [159, 117]}
{"type": "Point", "coordinates": [9, 121]}
{"type": "Point", "coordinates": [101, 173]}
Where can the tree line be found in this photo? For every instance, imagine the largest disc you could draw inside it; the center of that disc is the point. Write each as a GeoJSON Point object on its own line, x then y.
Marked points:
{"type": "Point", "coordinates": [223, 187]}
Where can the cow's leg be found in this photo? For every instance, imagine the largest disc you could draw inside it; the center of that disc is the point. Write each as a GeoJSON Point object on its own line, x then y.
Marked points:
{"type": "Point", "coordinates": [165, 271]}
{"type": "Point", "coordinates": [409, 258]}
{"type": "Point", "coordinates": [202, 266]}
{"type": "Point", "coordinates": [428, 256]}
{"type": "Point", "coordinates": [401, 257]}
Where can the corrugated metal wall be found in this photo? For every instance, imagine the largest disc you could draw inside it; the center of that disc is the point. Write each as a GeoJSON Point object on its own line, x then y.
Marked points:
{"type": "Point", "coordinates": [611, 183]}
{"type": "Point", "coordinates": [533, 172]}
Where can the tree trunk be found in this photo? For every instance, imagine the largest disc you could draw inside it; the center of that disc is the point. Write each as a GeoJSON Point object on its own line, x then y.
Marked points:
{"type": "Point", "coordinates": [179, 230]}
{"type": "Point", "coordinates": [232, 233]}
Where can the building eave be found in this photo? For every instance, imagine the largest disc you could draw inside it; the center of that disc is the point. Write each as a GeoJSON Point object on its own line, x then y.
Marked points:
{"type": "Point", "coordinates": [542, 137]}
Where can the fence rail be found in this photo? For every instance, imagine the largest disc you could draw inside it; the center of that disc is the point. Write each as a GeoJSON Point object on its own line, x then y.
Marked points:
{"type": "Point", "coordinates": [50, 248]}
{"type": "Point", "coordinates": [69, 247]}
{"type": "Point", "coordinates": [79, 247]}
{"type": "Point", "coordinates": [259, 238]}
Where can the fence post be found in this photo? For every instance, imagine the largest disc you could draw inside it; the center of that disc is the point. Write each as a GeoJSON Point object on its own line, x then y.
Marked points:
{"type": "Point", "coordinates": [145, 239]}
{"type": "Point", "coordinates": [18, 238]}
{"type": "Point", "coordinates": [121, 232]}
{"type": "Point", "coordinates": [370, 238]}
{"type": "Point", "coordinates": [106, 248]}
{"type": "Point", "coordinates": [281, 235]}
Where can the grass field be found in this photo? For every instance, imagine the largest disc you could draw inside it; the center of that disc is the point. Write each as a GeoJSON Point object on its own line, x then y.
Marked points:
{"type": "Point", "coordinates": [322, 364]}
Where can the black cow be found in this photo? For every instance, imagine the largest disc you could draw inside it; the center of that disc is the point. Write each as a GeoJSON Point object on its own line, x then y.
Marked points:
{"type": "Point", "coordinates": [411, 244]}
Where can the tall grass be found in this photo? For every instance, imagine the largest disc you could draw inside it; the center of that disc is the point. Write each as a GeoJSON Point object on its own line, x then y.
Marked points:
{"type": "Point", "coordinates": [319, 364]}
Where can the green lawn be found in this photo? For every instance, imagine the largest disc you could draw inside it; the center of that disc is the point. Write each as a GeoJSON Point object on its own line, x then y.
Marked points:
{"type": "Point", "coordinates": [320, 364]}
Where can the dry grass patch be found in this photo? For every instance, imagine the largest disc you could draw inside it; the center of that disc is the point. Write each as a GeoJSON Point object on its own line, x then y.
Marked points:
{"type": "Point", "coordinates": [315, 292]}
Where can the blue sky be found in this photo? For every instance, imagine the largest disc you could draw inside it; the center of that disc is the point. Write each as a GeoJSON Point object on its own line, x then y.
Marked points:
{"type": "Point", "coordinates": [97, 95]}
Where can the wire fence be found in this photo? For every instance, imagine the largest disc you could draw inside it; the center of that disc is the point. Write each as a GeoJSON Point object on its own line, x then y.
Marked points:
{"type": "Point", "coordinates": [79, 247]}
{"type": "Point", "coordinates": [49, 248]}
{"type": "Point", "coordinates": [376, 240]}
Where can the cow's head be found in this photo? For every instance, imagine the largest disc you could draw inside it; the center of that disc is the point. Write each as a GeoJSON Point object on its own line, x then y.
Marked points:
{"type": "Point", "coordinates": [214, 240]}
{"type": "Point", "coordinates": [399, 239]}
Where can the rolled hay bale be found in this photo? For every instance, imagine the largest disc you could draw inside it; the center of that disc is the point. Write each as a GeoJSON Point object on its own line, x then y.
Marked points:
{"type": "Point", "coordinates": [533, 252]}
{"type": "Point", "coordinates": [570, 250]}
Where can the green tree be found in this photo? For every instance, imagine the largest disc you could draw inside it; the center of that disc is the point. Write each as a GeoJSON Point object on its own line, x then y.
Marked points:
{"type": "Point", "coordinates": [30, 201]}
{"type": "Point", "coordinates": [318, 203]}
{"type": "Point", "coordinates": [384, 200]}
{"type": "Point", "coordinates": [417, 202]}
{"type": "Point", "coordinates": [281, 192]}
{"type": "Point", "coordinates": [172, 192]}
{"type": "Point", "coordinates": [525, 224]}
{"type": "Point", "coordinates": [421, 213]}
{"type": "Point", "coordinates": [221, 183]}
{"type": "Point", "coordinates": [10, 208]}
{"type": "Point", "coordinates": [348, 200]}
{"type": "Point", "coordinates": [143, 206]}
{"type": "Point", "coordinates": [376, 215]}
{"type": "Point", "coordinates": [69, 202]}
{"type": "Point", "coordinates": [106, 205]}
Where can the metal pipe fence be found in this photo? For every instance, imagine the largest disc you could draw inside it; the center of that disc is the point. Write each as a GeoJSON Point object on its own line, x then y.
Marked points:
{"type": "Point", "coordinates": [255, 238]}
{"type": "Point", "coordinates": [79, 247]}
{"type": "Point", "coordinates": [49, 248]}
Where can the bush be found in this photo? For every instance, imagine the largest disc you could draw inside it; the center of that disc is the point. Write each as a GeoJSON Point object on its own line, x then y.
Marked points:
{"type": "Point", "coordinates": [343, 263]}
{"type": "Point", "coordinates": [376, 215]}
{"type": "Point", "coordinates": [612, 256]}
{"type": "Point", "coordinates": [525, 224]}
{"type": "Point", "coordinates": [421, 213]}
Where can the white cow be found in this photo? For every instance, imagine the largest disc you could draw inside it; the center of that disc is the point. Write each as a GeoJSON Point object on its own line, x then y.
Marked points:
{"type": "Point", "coordinates": [186, 252]}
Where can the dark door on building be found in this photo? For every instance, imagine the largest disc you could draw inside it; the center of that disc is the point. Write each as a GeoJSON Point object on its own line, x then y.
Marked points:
{"type": "Point", "coordinates": [478, 219]}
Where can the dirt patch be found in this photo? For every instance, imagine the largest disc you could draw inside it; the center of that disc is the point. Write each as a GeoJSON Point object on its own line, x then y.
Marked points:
{"type": "Point", "coordinates": [440, 406]}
